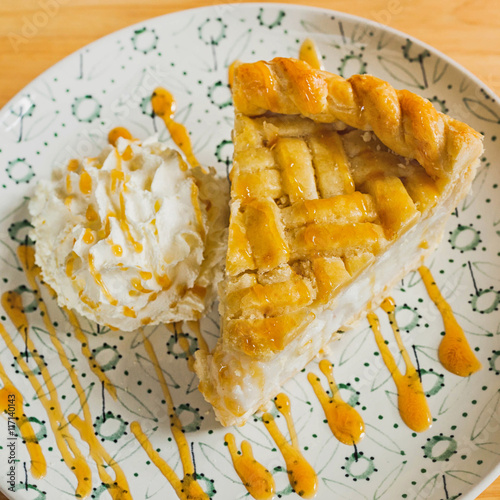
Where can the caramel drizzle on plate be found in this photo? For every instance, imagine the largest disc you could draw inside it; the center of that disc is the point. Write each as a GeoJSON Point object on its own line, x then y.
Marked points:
{"type": "Point", "coordinates": [72, 456]}
{"type": "Point", "coordinates": [186, 488]}
{"type": "Point", "coordinates": [117, 132]}
{"type": "Point", "coordinates": [344, 421]}
{"type": "Point", "coordinates": [93, 365]}
{"type": "Point", "coordinates": [412, 403]}
{"type": "Point", "coordinates": [183, 342]}
{"type": "Point", "coordinates": [302, 477]}
{"type": "Point", "coordinates": [196, 328]}
{"type": "Point", "coordinates": [258, 481]}
{"type": "Point", "coordinates": [38, 463]}
{"type": "Point", "coordinates": [100, 282]}
{"type": "Point", "coordinates": [310, 53]}
{"type": "Point", "coordinates": [455, 353]}
{"type": "Point", "coordinates": [117, 488]}
{"type": "Point", "coordinates": [164, 106]}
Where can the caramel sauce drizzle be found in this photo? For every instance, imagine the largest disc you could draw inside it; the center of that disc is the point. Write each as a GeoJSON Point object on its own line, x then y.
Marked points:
{"type": "Point", "coordinates": [258, 481]}
{"type": "Point", "coordinates": [91, 214]}
{"type": "Point", "coordinates": [302, 477]}
{"type": "Point", "coordinates": [186, 488]}
{"type": "Point", "coordinates": [117, 132]}
{"type": "Point", "coordinates": [118, 157]}
{"type": "Point", "coordinates": [310, 53]}
{"type": "Point", "coordinates": [195, 327]}
{"type": "Point", "coordinates": [129, 312]}
{"type": "Point", "coordinates": [69, 186]}
{"type": "Point", "coordinates": [38, 463]}
{"type": "Point", "coordinates": [105, 228]}
{"type": "Point", "coordinates": [128, 153]}
{"type": "Point", "coordinates": [85, 184]}
{"type": "Point", "coordinates": [138, 286]}
{"type": "Point", "coordinates": [72, 456]}
{"type": "Point", "coordinates": [98, 279]}
{"type": "Point", "coordinates": [183, 343]}
{"type": "Point", "coordinates": [116, 177]}
{"type": "Point", "coordinates": [88, 236]}
{"type": "Point", "coordinates": [155, 457]}
{"type": "Point", "coordinates": [87, 300]}
{"type": "Point", "coordinates": [125, 226]}
{"type": "Point", "coordinates": [82, 338]}
{"type": "Point", "coordinates": [344, 421]}
{"type": "Point", "coordinates": [163, 280]}
{"type": "Point", "coordinates": [117, 250]}
{"type": "Point", "coordinates": [455, 353]}
{"type": "Point", "coordinates": [73, 165]}
{"type": "Point", "coordinates": [117, 488]}
{"type": "Point", "coordinates": [412, 402]}
{"type": "Point", "coordinates": [164, 106]}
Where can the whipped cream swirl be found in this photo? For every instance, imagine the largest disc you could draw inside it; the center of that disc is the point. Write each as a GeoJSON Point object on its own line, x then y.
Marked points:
{"type": "Point", "coordinates": [122, 238]}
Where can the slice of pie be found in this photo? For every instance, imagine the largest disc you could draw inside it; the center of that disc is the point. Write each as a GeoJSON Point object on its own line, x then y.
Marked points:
{"type": "Point", "coordinates": [339, 189]}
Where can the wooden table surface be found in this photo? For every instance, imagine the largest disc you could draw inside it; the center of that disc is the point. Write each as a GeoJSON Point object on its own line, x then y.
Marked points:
{"type": "Point", "coordinates": [466, 30]}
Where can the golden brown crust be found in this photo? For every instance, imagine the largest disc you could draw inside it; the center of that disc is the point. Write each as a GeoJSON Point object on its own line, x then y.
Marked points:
{"type": "Point", "coordinates": [405, 122]}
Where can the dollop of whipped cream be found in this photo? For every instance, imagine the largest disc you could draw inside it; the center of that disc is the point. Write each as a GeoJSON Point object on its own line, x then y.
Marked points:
{"type": "Point", "coordinates": [124, 239]}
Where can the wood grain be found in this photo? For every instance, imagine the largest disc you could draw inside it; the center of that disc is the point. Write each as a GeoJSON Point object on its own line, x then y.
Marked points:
{"type": "Point", "coordinates": [33, 38]}
{"type": "Point", "coordinates": [35, 34]}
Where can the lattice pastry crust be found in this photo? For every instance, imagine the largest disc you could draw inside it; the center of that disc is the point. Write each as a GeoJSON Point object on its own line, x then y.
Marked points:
{"type": "Point", "coordinates": [328, 176]}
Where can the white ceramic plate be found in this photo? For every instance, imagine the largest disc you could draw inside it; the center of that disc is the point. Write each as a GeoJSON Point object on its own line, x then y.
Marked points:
{"type": "Point", "coordinates": [68, 111]}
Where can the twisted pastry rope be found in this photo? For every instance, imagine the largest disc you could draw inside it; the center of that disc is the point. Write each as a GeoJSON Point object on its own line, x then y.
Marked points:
{"type": "Point", "coordinates": [405, 122]}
